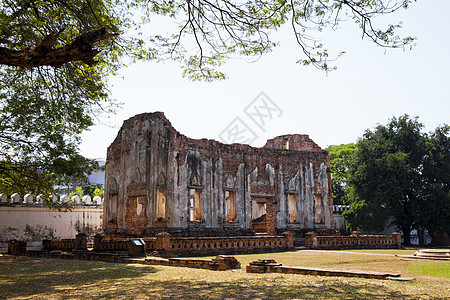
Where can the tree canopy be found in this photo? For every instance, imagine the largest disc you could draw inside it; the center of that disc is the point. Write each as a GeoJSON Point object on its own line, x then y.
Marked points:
{"type": "Point", "coordinates": [400, 172]}
{"type": "Point", "coordinates": [55, 32]}
{"type": "Point", "coordinates": [434, 211]}
{"type": "Point", "coordinates": [340, 159]}
{"type": "Point", "coordinates": [56, 55]}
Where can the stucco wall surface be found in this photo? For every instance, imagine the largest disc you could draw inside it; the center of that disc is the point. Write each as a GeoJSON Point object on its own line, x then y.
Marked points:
{"type": "Point", "coordinates": [149, 158]}
{"type": "Point", "coordinates": [34, 223]}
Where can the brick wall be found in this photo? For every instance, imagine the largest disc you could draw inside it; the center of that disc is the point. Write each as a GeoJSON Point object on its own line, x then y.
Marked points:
{"type": "Point", "coordinates": [226, 245]}
{"type": "Point", "coordinates": [356, 240]}
{"type": "Point", "coordinates": [65, 245]}
{"type": "Point", "coordinates": [148, 148]}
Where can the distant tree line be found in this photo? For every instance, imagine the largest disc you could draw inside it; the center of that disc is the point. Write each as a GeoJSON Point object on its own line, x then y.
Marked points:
{"type": "Point", "coordinates": [90, 190]}
{"type": "Point", "coordinates": [395, 172]}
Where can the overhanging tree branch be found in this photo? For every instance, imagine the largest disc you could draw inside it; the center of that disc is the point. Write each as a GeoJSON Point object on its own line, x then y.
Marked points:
{"type": "Point", "coordinates": [80, 49]}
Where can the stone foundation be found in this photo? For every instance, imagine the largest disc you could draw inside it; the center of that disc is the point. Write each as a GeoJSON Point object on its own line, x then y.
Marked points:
{"type": "Point", "coordinates": [166, 245]}
{"type": "Point", "coordinates": [220, 263]}
{"type": "Point", "coordinates": [271, 266]}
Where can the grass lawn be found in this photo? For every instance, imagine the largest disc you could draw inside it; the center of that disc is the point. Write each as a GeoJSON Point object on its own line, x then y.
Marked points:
{"type": "Point", "coordinates": [36, 278]}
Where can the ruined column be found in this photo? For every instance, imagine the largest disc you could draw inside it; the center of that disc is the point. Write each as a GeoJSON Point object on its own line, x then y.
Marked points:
{"type": "Point", "coordinates": [289, 236]}
{"type": "Point", "coordinates": [311, 240]}
{"type": "Point", "coordinates": [97, 242]}
{"type": "Point", "coordinates": [270, 217]}
{"type": "Point", "coordinates": [163, 241]}
{"type": "Point", "coordinates": [398, 237]}
{"type": "Point", "coordinates": [17, 247]}
{"type": "Point", "coordinates": [81, 242]}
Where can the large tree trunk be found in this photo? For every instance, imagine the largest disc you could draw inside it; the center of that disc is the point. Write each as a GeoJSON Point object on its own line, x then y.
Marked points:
{"type": "Point", "coordinates": [421, 235]}
{"type": "Point", "coordinates": [406, 235]}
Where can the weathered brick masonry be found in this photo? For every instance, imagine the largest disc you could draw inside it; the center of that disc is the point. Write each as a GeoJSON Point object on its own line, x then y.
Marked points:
{"type": "Point", "coordinates": [355, 240]}
{"type": "Point", "coordinates": [159, 180]}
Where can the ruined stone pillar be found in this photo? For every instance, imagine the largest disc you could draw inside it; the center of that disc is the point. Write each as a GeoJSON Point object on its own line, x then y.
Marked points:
{"type": "Point", "coordinates": [97, 242]}
{"type": "Point", "coordinates": [289, 236]}
{"type": "Point", "coordinates": [81, 242]}
{"type": "Point", "coordinates": [270, 217]}
{"type": "Point", "coordinates": [163, 241]}
{"type": "Point", "coordinates": [311, 240]}
{"type": "Point", "coordinates": [398, 237]}
{"type": "Point", "coordinates": [17, 247]}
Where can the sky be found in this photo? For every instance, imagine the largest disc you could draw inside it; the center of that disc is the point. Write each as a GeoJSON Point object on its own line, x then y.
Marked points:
{"type": "Point", "coordinates": [370, 86]}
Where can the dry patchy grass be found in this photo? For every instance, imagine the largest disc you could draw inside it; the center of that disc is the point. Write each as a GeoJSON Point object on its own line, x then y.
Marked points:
{"type": "Point", "coordinates": [31, 278]}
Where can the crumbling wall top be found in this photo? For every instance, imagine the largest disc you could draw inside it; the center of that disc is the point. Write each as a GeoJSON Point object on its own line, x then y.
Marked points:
{"type": "Point", "coordinates": [295, 142]}
{"type": "Point", "coordinates": [137, 119]}
{"type": "Point", "coordinates": [299, 142]}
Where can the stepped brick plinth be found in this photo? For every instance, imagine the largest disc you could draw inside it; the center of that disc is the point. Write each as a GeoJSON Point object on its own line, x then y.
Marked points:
{"type": "Point", "coordinates": [271, 266]}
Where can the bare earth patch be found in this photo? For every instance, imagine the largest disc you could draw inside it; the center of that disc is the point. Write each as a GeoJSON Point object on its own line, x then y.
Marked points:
{"type": "Point", "coordinates": [31, 278]}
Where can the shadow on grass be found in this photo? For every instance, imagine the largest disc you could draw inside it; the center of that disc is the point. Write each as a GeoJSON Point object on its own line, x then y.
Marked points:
{"type": "Point", "coordinates": [24, 276]}
{"type": "Point", "coordinates": [261, 289]}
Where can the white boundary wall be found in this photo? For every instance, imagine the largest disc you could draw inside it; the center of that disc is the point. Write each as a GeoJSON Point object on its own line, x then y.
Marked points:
{"type": "Point", "coordinates": [36, 222]}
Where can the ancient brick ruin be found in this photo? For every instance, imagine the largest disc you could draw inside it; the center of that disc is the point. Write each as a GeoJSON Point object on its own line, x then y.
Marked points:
{"type": "Point", "coordinates": [159, 180]}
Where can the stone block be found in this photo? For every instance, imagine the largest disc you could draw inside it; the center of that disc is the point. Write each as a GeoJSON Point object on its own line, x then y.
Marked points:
{"type": "Point", "coordinates": [262, 266]}
{"type": "Point", "coordinates": [227, 262]}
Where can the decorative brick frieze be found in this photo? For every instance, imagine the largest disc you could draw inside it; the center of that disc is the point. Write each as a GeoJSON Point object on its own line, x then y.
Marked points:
{"type": "Point", "coordinates": [354, 241]}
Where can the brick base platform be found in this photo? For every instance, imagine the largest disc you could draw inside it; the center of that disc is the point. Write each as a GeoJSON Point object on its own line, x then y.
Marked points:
{"type": "Point", "coordinates": [271, 266]}
{"type": "Point", "coordinates": [220, 263]}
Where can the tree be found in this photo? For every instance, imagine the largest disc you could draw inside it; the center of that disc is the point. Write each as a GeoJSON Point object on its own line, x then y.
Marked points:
{"type": "Point", "coordinates": [55, 32]}
{"type": "Point", "coordinates": [434, 211]}
{"type": "Point", "coordinates": [340, 159]}
{"type": "Point", "coordinates": [55, 57]}
{"type": "Point", "coordinates": [93, 190]}
{"type": "Point", "coordinates": [50, 89]}
{"type": "Point", "coordinates": [78, 192]}
{"type": "Point", "coordinates": [398, 172]}
{"type": "Point", "coordinates": [43, 112]}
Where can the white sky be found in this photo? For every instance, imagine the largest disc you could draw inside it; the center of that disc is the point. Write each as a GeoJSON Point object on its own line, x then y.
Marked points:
{"type": "Point", "coordinates": [370, 86]}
